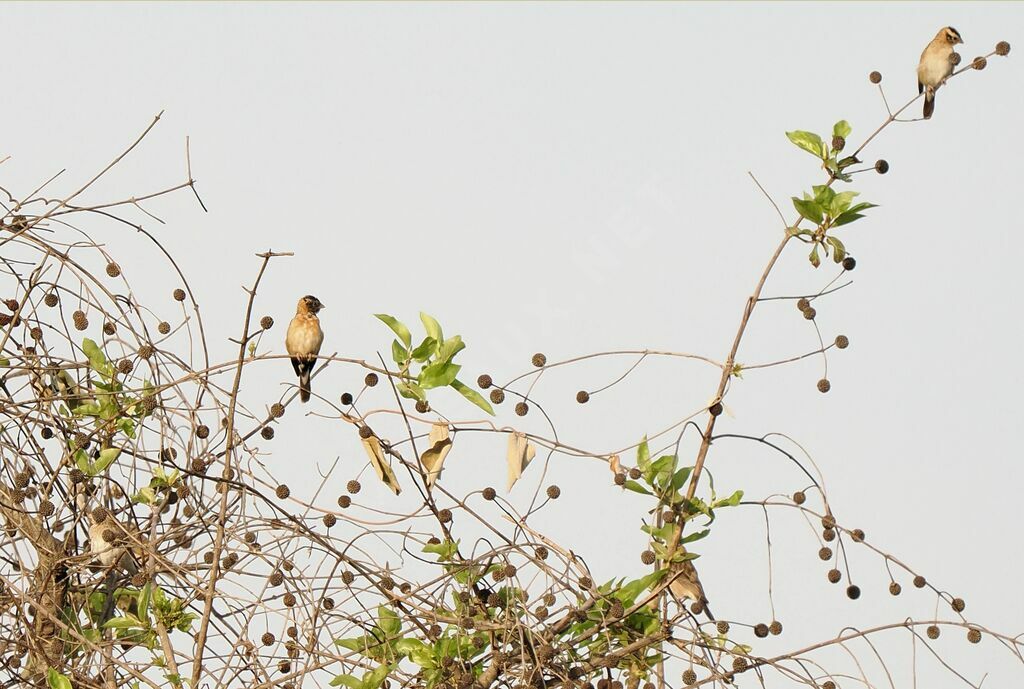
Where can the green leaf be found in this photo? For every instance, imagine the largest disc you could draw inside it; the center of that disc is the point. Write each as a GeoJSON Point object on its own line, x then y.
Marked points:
{"type": "Point", "coordinates": [388, 621]}
{"type": "Point", "coordinates": [847, 162]}
{"type": "Point", "coordinates": [473, 396]}
{"type": "Point", "coordinates": [628, 593]}
{"type": "Point", "coordinates": [348, 681]}
{"type": "Point", "coordinates": [425, 349]}
{"type": "Point", "coordinates": [82, 461]}
{"type": "Point", "coordinates": [444, 550]}
{"type": "Point", "coordinates": [372, 680]}
{"type": "Point", "coordinates": [809, 209]}
{"type": "Point", "coordinates": [145, 596]}
{"type": "Point", "coordinates": [839, 251]}
{"type": "Point", "coordinates": [438, 374]}
{"type": "Point", "coordinates": [636, 488]}
{"type": "Point", "coordinates": [411, 391]}
{"type": "Point", "coordinates": [105, 459]}
{"type": "Point", "coordinates": [853, 213]}
{"type": "Point", "coordinates": [679, 478]}
{"type": "Point", "coordinates": [399, 354]}
{"type": "Point", "coordinates": [56, 680]}
{"type": "Point", "coordinates": [643, 455]}
{"type": "Point", "coordinates": [449, 348]}
{"type": "Point", "coordinates": [696, 536]}
{"type": "Point", "coordinates": [432, 327]}
{"type": "Point", "coordinates": [418, 652]}
{"type": "Point", "coordinates": [97, 360]}
{"type": "Point", "coordinates": [813, 257]}
{"type": "Point", "coordinates": [841, 128]}
{"type": "Point", "coordinates": [127, 622]}
{"type": "Point", "coordinates": [810, 142]}
{"type": "Point", "coordinates": [840, 202]}
{"type": "Point", "coordinates": [397, 327]}
{"type": "Point", "coordinates": [730, 501]}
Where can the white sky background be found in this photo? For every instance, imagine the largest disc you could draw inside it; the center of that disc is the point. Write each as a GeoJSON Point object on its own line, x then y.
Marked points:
{"type": "Point", "coordinates": [571, 179]}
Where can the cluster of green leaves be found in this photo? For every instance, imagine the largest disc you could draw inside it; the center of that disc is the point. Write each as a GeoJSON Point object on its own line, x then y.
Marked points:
{"type": "Point", "coordinates": [434, 356]}
{"type": "Point", "coordinates": [104, 399]}
{"type": "Point", "coordinates": [825, 207]}
{"type": "Point", "coordinates": [160, 483]}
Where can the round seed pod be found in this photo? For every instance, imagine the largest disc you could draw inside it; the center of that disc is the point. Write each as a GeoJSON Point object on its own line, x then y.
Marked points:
{"type": "Point", "coordinates": [344, 501]}
{"type": "Point", "coordinates": [722, 626]}
{"type": "Point", "coordinates": [1002, 48]}
{"type": "Point", "coordinates": [21, 479]}
{"type": "Point", "coordinates": [834, 575]}
{"type": "Point", "coordinates": [267, 322]}
{"type": "Point", "coordinates": [51, 299]}
{"type": "Point", "coordinates": [828, 684]}
{"type": "Point", "coordinates": [444, 516]}
{"type": "Point", "coordinates": [422, 407]}
{"type": "Point", "coordinates": [849, 263]}
{"type": "Point", "coordinates": [799, 497]}
{"type": "Point", "coordinates": [620, 479]}
{"type": "Point", "coordinates": [954, 59]}
{"type": "Point", "coordinates": [371, 379]}
{"type": "Point", "coordinates": [974, 635]}
{"type": "Point", "coordinates": [553, 492]}
{"type": "Point", "coordinates": [825, 553]}
{"type": "Point", "coordinates": [365, 432]}
{"type": "Point", "coordinates": [582, 396]}
{"type": "Point", "coordinates": [179, 294]}
{"type": "Point", "coordinates": [716, 409]}
{"type": "Point", "coordinates": [635, 473]}
{"type": "Point", "coordinates": [202, 431]}
{"type": "Point", "coordinates": [347, 577]}
{"type": "Point", "coordinates": [497, 396]}
{"type": "Point", "coordinates": [824, 385]}
{"type": "Point", "coordinates": [739, 664]}
{"type": "Point", "coordinates": [853, 592]}
{"type": "Point", "coordinates": [775, 628]}
{"type": "Point", "coordinates": [113, 270]}
{"type": "Point", "coordinates": [484, 381]}
{"type": "Point", "coordinates": [46, 433]}
{"type": "Point", "coordinates": [828, 522]}
{"type": "Point", "coordinates": [288, 599]}
{"type": "Point", "coordinates": [328, 603]}
{"type": "Point", "coordinates": [802, 304]}
{"type": "Point", "coordinates": [387, 583]}
{"type": "Point", "coordinates": [109, 328]}
{"type": "Point", "coordinates": [920, 582]}
{"type": "Point", "coordinates": [881, 166]}
{"type": "Point", "coordinates": [875, 77]}
{"type": "Point", "coordinates": [810, 313]}
{"type": "Point", "coordinates": [46, 508]}
{"type": "Point", "coordinates": [36, 333]}
{"type": "Point", "coordinates": [857, 535]}
{"type": "Point", "coordinates": [277, 410]}
{"type": "Point", "coordinates": [100, 514]}
{"type": "Point", "coordinates": [267, 432]}
{"type": "Point", "coordinates": [586, 583]}
{"type": "Point", "coordinates": [353, 486]}
{"type": "Point", "coordinates": [647, 557]}
{"type": "Point", "coordinates": [489, 493]}
{"type": "Point", "coordinates": [933, 632]}
{"type": "Point", "coordinates": [80, 321]}
{"type": "Point", "coordinates": [539, 360]}
{"type": "Point", "coordinates": [979, 63]}
{"type": "Point", "coordinates": [146, 351]}
{"type": "Point", "coordinates": [689, 677]}
{"type": "Point", "coordinates": [510, 571]}
{"type": "Point", "coordinates": [829, 535]}
{"type": "Point", "coordinates": [895, 589]}
{"type": "Point", "coordinates": [283, 492]}
{"type": "Point", "coordinates": [761, 630]}
{"type": "Point", "coordinates": [164, 327]}
{"type": "Point", "coordinates": [267, 639]}
{"type": "Point", "coordinates": [522, 408]}
{"type": "Point", "coordinates": [842, 341]}
{"type": "Point", "coordinates": [958, 604]}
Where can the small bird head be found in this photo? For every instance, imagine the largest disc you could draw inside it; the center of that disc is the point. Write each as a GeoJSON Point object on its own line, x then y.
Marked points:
{"type": "Point", "coordinates": [310, 304]}
{"type": "Point", "coordinates": [950, 35]}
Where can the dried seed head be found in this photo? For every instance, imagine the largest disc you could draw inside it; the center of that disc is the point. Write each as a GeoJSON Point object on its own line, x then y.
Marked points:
{"type": "Point", "coordinates": [761, 630]}
{"type": "Point", "coordinates": [288, 599]}
{"type": "Point", "coordinates": [716, 409]}
{"type": "Point", "coordinates": [974, 636]}
{"type": "Point", "coordinates": [554, 492]}
{"type": "Point", "coordinates": [828, 521]}
{"type": "Point", "coordinates": [267, 322]}
{"type": "Point", "coordinates": [164, 327]}
{"type": "Point", "coordinates": [371, 379]}
{"type": "Point", "coordinates": [853, 592]}
{"type": "Point", "coordinates": [881, 166]}
{"type": "Point", "coordinates": [620, 479]}
{"type": "Point", "coordinates": [954, 58]}
{"type": "Point", "coordinates": [539, 360]}
{"type": "Point", "coordinates": [635, 473]}
{"type": "Point", "coordinates": [857, 535]}
{"type": "Point", "coordinates": [444, 516]}
{"type": "Point", "coordinates": [541, 553]}
{"type": "Point", "coordinates": [834, 575]}
{"type": "Point", "coordinates": [46, 508]}
{"type": "Point", "coordinates": [522, 408]}
{"type": "Point", "coordinates": [933, 632]}
{"type": "Point", "coordinates": [81, 322]}
{"type": "Point", "coordinates": [842, 341]}
{"type": "Point", "coordinates": [365, 432]}
{"type": "Point", "coordinates": [347, 577]}
{"type": "Point", "coordinates": [979, 63]}
{"type": "Point", "coordinates": [775, 628]}
{"type": "Point", "coordinates": [919, 581]}
{"type": "Point", "coordinates": [802, 304]}
{"type": "Point", "coordinates": [825, 553]}
{"type": "Point", "coordinates": [422, 407]}
{"type": "Point", "coordinates": [849, 263]}
{"type": "Point", "coordinates": [958, 604]}
{"type": "Point", "coordinates": [497, 395]}
{"type": "Point", "coordinates": [647, 557]}
{"type": "Point", "coordinates": [895, 589]}
{"type": "Point", "coordinates": [489, 493]}
{"type": "Point", "coordinates": [344, 501]}
{"type": "Point", "coordinates": [277, 410]}
{"type": "Point", "coordinates": [810, 313]}
{"type": "Point", "coordinates": [46, 433]}
{"type": "Point", "coordinates": [484, 381]}
{"type": "Point", "coordinates": [799, 497]}
{"type": "Point", "coordinates": [824, 385]}
{"type": "Point", "coordinates": [346, 398]}
{"type": "Point", "coordinates": [582, 396]}
{"type": "Point", "coordinates": [875, 77]}
{"type": "Point", "coordinates": [100, 514]}
{"type": "Point", "coordinates": [202, 431]}
{"type": "Point", "coordinates": [179, 294]}
{"type": "Point", "coordinates": [722, 626]}
{"type": "Point", "coordinates": [1002, 48]}
{"type": "Point", "coordinates": [113, 270]}
{"type": "Point", "coordinates": [330, 520]}
{"type": "Point", "coordinates": [283, 492]}
{"type": "Point", "coordinates": [828, 684]}
{"type": "Point", "coordinates": [51, 299]}
{"type": "Point", "coordinates": [267, 432]}
{"type": "Point", "coordinates": [146, 351]}
{"type": "Point", "coordinates": [109, 328]}
{"type": "Point", "coordinates": [829, 534]}
{"type": "Point", "coordinates": [353, 486]}
{"type": "Point", "coordinates": [689, 677]}
{"type": "Point", "coordinates": [838, 143]}
{"type": "Point", "coordinates": [4, 320]}
{"type": "Point", "coordinates": [149, 403]}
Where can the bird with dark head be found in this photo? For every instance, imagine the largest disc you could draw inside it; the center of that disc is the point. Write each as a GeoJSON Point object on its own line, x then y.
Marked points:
{"type": "Point", "coordinates": [936, 65]}
{"type": "Point", "coordinates": [303, 341]}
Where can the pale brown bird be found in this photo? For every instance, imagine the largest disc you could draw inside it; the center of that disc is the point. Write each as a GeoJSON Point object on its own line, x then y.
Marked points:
{"type": "Point", "coordinates": [103, 544]}
{"type": "Point", "coordinates": [303, 341]}
{"type": "Point", "coordinates": [685, 584]}
{"type": "Point", "coordinates": [936, 65]}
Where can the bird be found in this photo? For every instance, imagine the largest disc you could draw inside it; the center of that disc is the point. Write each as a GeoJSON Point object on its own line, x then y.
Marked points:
{"type": "Point", "coordinates": [103, 538]}
{"type": "Point", "coordinates": [936, 65]}
{"type": "Point", "coordinates": [685, 584]}
{"type": "Point", "coordinates": [303, 341]}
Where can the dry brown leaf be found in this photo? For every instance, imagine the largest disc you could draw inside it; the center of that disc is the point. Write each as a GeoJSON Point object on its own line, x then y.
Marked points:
{"type": "Point", "coordinates": [433, 457]}
{"type": "Point", "coordinates": [520, 453]}
{"type": "Point", "coordinates": [614, 464]}
{"type": "Point", "coordinates": [376, 454]}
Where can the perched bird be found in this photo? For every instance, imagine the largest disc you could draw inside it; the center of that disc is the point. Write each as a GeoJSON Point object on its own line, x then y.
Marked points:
{"type": "Point", "coordinates": [103, 543]}
{"type": "Point", "coordinates": [303, 341]}
{"type": "Point", "coordinates": [685, 584]}
{"type": "Point", "coordinates": [936, 65]}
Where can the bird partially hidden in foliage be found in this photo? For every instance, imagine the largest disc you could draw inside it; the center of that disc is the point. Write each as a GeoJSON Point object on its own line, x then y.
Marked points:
{"type": "Point", "coordinates": [303, 341]}
{"type": "Point", "coordinates": [936, 65]}
{"type": "Point", "coordinates": [685, 584]}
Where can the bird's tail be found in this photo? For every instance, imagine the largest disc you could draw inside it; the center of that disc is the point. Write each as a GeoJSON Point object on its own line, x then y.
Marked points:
{"type": "Point", "coordinates": [304, 389]}
{"type": "Point", "coordinates": [929, 103]}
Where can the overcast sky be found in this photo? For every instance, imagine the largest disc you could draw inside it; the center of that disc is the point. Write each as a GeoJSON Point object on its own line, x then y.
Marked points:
{"type": "Point", "coordinates": [570, 179]}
